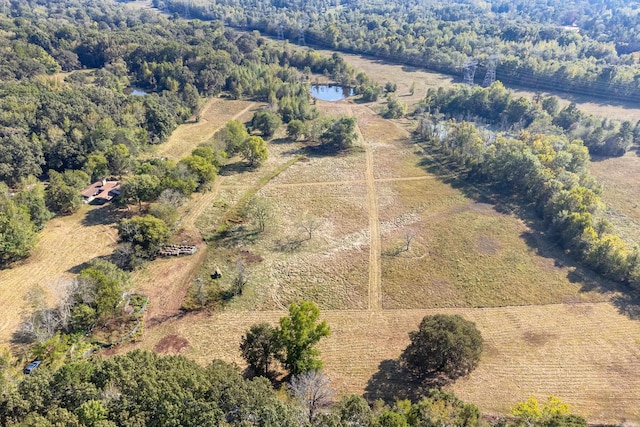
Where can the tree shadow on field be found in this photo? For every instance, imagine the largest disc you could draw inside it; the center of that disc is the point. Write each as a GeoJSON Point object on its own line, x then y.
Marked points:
{"type": "Point", "coordinates": [392, 382]}
{"type": "Point", "coordinates": [235, 168]}
{"type": "Point", "coordinates": [543, 243]}
{"type": "Point", "coordinates": [104, 215]}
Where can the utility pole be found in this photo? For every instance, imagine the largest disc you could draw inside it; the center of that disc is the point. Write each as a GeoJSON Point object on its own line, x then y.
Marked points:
{"type": "Point", "coordinates": [469, 69]}
{"type": "Point", "coordinates": [490, 77]}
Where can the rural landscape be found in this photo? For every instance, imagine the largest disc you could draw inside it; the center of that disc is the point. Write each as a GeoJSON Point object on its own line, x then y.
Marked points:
{"type": "Point", "coordinates": [191, 235]}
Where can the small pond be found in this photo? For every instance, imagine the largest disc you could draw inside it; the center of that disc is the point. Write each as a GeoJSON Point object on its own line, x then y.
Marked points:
{"type": "Point", "coordinates": [136, 91]}
{"type": "Point", "coordinates": [331, 92]}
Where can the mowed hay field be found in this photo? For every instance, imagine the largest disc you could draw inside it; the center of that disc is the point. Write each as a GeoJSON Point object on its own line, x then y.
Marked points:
{"type": "Point", "coordinates": [65, 243]}
{"type": "Point", "coordinates": [586, 354]}
{"type": "Point", "coordinates": [213, 117]}
{"type": "Point", "coordinates": [544, 332]}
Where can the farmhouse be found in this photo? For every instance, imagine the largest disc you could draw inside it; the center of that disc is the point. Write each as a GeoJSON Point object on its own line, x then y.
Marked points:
{"type": "Point", "coordinates": [101, 191]}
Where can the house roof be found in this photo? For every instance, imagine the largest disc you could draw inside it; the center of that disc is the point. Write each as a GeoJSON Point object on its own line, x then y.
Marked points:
{"type": "Point", "coordinates": [102, 190]}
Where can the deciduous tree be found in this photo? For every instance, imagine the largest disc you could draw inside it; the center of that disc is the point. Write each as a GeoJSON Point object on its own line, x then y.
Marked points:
{"type": "Point", "coordinates": [298, 334]}
{"type": "Point", "coordinates": [443, 345]}
{"type": "Point", "coordinates": [258, 347]}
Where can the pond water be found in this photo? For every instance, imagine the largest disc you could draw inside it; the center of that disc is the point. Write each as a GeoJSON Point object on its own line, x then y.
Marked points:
{"type": "Point", "coordinates": [331, 92]}
{"type": "Point", "coordinates": [136, 91]}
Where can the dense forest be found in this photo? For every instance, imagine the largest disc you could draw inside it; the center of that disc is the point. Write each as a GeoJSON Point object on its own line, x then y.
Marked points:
{"type": "Point", "coordinates": [583, 47]}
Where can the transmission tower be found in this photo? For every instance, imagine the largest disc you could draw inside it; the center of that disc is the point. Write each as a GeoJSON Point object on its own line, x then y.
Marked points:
{"type": "Point", "coordinates": [301, 30]}
{"type": "Point", "coordinates": [208, 9]}
{"type": "Point", "coordinates": [470, 71]}
{"type": "Point", "coordinates": [490, 77]}
{"type": "Point", "coordinates": [280, 30]}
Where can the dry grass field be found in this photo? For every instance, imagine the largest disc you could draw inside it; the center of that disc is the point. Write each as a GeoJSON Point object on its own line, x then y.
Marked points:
{"type": "Point", "coordinates": [587, 354]}
{"type": "Point", "coordinates": [65, 243]}
{"type": "Point", "coordinates": [620, 177]}
{"type": "Point", "coordinates": [213, 117]}
{"type": "Point", "coordinates": [545, 331]}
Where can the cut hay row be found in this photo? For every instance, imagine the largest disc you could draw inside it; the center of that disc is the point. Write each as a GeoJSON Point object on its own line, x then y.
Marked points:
{"type": "Point", "coordinates": [586, 354]}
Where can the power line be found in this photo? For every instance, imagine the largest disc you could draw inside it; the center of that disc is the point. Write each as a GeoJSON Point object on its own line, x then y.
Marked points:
{"type": "Point", "coordinates": [490, 77]}
{"type": "Point", "coordinates": [469, 69]}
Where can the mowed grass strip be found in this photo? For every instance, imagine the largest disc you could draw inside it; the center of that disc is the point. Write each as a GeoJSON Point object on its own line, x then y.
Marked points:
{"type": "Point", "coordinates": [214, 116]}
{"type": "Point", "coordinates": [586, 354]}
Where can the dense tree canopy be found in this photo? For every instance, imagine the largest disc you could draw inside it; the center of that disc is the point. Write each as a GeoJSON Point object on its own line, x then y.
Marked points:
{"type": "Point", "coordinates": [583, 47]}
{"type": "Point", "coordinates": [443, 345]}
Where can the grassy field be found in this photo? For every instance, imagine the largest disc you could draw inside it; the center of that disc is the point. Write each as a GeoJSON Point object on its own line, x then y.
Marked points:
{"type": "Point", "coordinates": [620, 177]}
{"type": "Point", "coordinates": [213, 117]}
{"type": "Point", "coordinates": [587, 354]}
{"type": "Point", "coordinates": [545, 331]}
{"type": "Point", "coordinates": [65, 243]}
{"type": "Point", "coordinates": [465, 258]}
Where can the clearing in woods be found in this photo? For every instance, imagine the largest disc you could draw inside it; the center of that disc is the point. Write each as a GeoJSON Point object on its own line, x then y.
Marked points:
{"type": "Point", "coordinates": [549, 327]}
{"type": "Point", "coordinates": [213, 117]}
{"type": "Point", "coordinates": [65, 243]}
{"type": "Point", "coordinates": [404, 75]}
{"type": "Point", "coordinates": [542, 317]}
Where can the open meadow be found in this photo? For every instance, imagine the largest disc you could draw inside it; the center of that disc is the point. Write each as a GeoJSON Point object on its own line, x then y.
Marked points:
{"type": "Point", "coordinates": [378, 240]}
{"type": "Point", "coordinates": [548, 325]}
{"type": "Point", "coordinates": [620, 177]}
{"type": "Point", "coordinates": [65, 243]}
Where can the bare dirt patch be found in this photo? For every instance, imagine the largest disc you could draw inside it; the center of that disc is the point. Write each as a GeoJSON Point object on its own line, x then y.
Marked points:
{"type": "Point", "coordinates": [171, 344]}
{"type": "Point", "coordinates": [488, 245]}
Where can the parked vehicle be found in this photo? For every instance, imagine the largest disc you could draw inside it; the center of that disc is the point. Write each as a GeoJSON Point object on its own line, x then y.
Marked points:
{"type": "Point", "coordinates": [33, 365]}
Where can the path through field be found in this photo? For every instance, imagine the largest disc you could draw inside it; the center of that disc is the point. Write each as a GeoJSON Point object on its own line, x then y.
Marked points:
{"type": "Point", "coordinates": [586, 353]}
{"type": "Point", "coordinates": [176, 274]}
{"type": "Point", "coordinates": [375, 283]}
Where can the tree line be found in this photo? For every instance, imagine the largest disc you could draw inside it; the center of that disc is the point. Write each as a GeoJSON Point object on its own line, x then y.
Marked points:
{"type": "Point", "coordinates": [496, 106]}
{"type": "Point", "coordinates": [537, 48]}
{"type": "Point", "coordinates": [143, 388]}
{"type": "Point", "coordinates": [546, 172]}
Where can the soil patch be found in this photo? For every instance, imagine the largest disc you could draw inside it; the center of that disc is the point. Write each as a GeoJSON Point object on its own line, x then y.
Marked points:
{"type": "Point", "coordinates": [172, 344]}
